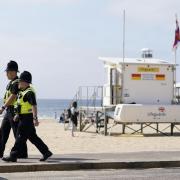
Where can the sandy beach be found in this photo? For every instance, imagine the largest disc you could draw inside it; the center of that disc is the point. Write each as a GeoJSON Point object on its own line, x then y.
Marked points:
{"type": "Point", "coordinates": [61, 142]}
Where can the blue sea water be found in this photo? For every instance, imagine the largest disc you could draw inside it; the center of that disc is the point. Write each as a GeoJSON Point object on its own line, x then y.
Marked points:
{"type": "Point", "coordinates": [52, 108]}
{"type": "Point", "coordinates": [49, 108]}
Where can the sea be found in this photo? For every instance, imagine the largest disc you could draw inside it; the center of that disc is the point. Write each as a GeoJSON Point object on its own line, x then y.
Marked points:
{"type": "Point", "coordinates": [53, 108]}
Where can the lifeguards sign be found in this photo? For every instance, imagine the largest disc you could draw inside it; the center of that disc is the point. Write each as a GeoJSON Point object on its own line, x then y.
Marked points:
{"type": "Point", "coordinates": [148, 69]}
{"type": "Point", "coordinates": [148, 73]}
{"type": "Point", "coordinates": [160, 77]}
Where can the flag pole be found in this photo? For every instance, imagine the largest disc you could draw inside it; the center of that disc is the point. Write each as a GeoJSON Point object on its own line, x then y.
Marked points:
{"type": "Point", "coordinates": [124, 21]}
{"type": "Point", "coordinates": [175, 59]}
{"type": "Point", "coordinates": [122, 76]}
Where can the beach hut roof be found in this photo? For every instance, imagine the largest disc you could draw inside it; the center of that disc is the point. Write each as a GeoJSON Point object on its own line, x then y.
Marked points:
{"type": "Point", "coordinates": [116, 61]}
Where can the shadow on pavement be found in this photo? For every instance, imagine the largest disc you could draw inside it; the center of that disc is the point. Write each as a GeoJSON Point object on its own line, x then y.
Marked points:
{"type": "Point", "coordinates": [54, 160]}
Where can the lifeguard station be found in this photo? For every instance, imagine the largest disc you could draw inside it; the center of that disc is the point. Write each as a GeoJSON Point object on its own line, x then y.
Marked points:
{"type": "Point", "coordinates": [142, 89]}
{"type": "Point", "coordinates": [137, 91]}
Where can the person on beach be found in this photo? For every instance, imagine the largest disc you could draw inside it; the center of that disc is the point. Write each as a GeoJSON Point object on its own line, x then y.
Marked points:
{"type": "Point", "coordinates": [26, 114]}
{"type": "Point", "coordinates": [74, 117]}
{"type": "Point", "coordinates": [62, 117]}
{"type": "Point", "coordinates": [9, 102]}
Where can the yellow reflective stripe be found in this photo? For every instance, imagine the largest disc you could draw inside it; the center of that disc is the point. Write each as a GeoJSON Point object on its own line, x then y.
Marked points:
{"type": "Point", "coordinates": [26, 107]}
{"type": "Point", "coordinates": [8, 93]}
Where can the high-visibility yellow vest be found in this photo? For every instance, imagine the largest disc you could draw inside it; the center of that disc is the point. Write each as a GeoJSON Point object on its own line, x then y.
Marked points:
{"type": "Point", "coordinates": [8, 93]}
{"type": "Point", "coordinates": [25, 107]}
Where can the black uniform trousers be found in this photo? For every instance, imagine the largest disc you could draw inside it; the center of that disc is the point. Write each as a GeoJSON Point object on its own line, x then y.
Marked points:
{"type": "Point", "coordinates": [6, 125]}
{"type": "Point", "coordinates": [26, 131]}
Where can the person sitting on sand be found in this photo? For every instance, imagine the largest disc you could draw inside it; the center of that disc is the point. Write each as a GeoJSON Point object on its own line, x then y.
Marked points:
{"type": "Point", "coordinates": [62, 118]}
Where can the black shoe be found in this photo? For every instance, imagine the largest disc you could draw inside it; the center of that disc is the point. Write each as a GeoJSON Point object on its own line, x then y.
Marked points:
{"type": "Point", "coordinates": [9, 159]}
{"type": "Point", "coordinates": [23, 156]}
{"type": "Point", "coordinates": [1, 154]}
{"type": "Point", "coordinates": [46, 156]}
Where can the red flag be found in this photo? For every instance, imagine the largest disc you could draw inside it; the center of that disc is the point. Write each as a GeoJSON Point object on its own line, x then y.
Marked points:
{"type": "Point", "coordinates": [177, 35]}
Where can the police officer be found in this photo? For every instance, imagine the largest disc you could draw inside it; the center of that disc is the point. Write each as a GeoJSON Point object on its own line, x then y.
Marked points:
{"type": "Point", "coordinates": [9, 101]}
{"type": "Point", "coordinates": [27, 117]}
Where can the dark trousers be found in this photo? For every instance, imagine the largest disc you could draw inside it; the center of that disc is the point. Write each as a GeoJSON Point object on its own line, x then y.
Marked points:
{"type": "Point", "coordinates": [6, 125]}
{"type": "Point", "coordinates": [74, 120]}
{"type": "Point", "coordinates": [26, 131]}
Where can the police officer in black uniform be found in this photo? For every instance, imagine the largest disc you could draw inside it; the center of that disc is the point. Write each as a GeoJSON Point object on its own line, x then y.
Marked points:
{"type": "Point", "coordinates": [9, 102]}
{"type": "Point", "coordinates": [27, 117]}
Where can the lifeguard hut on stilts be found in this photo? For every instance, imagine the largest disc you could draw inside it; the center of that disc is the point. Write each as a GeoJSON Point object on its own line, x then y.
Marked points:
{"type": "Point", "coordinates": [142, 89]}
{"type": "Point", "coordinates": [139, 91]}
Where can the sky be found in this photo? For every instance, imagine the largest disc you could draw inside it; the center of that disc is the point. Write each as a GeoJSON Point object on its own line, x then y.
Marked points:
{"type": "Point", "coordinates": [59, 41]}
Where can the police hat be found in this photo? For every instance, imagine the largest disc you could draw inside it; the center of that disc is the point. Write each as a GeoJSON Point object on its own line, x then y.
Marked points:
{"type": "Point", "coordinates": [12, 66]}
{"type": "Point", "coordinates": [26, 77]}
